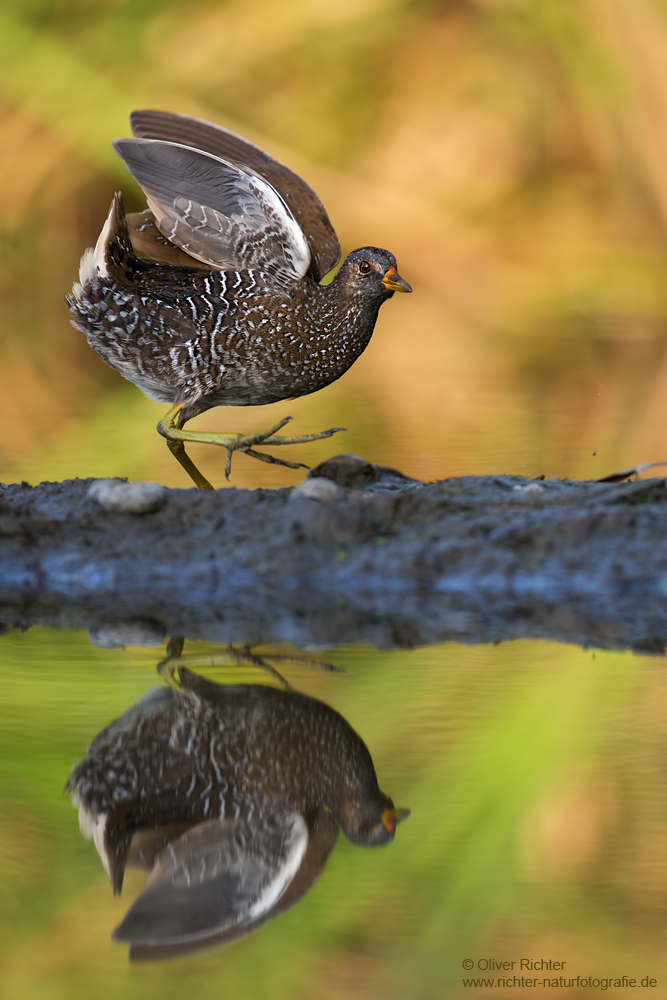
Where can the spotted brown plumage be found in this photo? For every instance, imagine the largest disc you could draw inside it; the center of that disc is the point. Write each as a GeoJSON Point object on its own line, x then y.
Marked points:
{"type": "Point", "coordinates": [229, 310]}
{"type": "Point", "coordinates": [231, 798]}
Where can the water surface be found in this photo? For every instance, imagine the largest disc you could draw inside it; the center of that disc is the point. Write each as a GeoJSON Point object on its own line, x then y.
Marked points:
{"type": "Point", "coordinates": [536, 779]}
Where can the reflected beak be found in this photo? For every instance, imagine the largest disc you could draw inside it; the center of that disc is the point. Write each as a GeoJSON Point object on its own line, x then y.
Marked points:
{"type": "Point", "coordinates": [394, 282]}
{"type": "Point", "coordinates": [391, 817]}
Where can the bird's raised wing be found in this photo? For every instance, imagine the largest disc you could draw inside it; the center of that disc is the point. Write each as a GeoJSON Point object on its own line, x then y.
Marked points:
{"type": "Point", "coordinates": [222, 875]}
{"type": "Point", "coordinates": [299, 197]}
{"type": "Point", "coordinates": [226, 215]}
{"type": "Point", "coordinates": [148, 240]}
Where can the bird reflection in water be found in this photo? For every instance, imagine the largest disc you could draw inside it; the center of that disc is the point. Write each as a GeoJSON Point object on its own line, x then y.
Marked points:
{"type": "Point", "coordinates": [230, 797]}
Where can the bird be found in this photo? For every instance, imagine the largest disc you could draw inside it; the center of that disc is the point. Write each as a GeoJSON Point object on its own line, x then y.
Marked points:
{"type": "Point", "coordinates": [213, 295]}
{"type": "Point", "coordinates": [231, 797]}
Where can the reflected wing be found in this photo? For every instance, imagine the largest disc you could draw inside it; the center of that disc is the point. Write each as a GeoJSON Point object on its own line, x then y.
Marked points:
{"type": "Point", "coordinates": [321, 841]}
{"type": "Point", "coordinates": [299, 197]}
{"type": "Point", "coordinates": [218, 876]}
{"type": "Point", "coordinates": [220, 213]}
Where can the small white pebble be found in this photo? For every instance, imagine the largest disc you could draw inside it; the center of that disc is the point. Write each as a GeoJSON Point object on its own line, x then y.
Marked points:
{"type": "Point", "coordinates": [128, 498]}
{"type": "Point", "coordinates": [530, 488]}
{"type": "Point", "coordinates": [130, 633]}
{"type": "Point", "coordinates": [317, 489]}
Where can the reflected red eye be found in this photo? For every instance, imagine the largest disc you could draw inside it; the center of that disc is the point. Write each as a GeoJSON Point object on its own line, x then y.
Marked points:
{"type": "Point", "coordinates": [364, 266]}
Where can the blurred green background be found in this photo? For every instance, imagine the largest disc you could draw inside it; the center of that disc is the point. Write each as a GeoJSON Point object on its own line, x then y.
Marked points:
{"type": "Point", "coordinates": [536, 778]}
{"type": "Point", "coordinates": [509, 152]}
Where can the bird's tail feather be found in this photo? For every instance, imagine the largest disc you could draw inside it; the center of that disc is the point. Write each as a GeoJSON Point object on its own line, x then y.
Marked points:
{"type": "Point", "coordinates": [113, 244]}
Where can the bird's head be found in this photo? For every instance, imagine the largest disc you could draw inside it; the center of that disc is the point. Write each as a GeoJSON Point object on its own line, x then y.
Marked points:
{"type": "Point", "coordinates": [373, 822]}
{"type": "Point", "coordinates": [371, 272]}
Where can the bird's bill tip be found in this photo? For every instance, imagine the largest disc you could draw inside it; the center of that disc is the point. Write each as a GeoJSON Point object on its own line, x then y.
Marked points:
{"type": "Point", "coordinates": [394, 282]}
{"type": "Point", "coordinates": [391, 817]}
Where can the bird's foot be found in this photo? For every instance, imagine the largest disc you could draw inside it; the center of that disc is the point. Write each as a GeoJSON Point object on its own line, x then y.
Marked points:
{"type": "Point", "coordinates": [270, 438]}
{"type": "Point", "coordinates": [235, 656]}
{"type": "Point", "coordinates": [171, 428]}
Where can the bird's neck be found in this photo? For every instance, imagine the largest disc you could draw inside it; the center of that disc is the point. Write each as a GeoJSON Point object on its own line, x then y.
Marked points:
{"type": "Point", "coordinates": [351, 306]}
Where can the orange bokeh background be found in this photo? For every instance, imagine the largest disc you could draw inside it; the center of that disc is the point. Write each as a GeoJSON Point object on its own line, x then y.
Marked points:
{"type": "Point", "coordinates": [510, 153]}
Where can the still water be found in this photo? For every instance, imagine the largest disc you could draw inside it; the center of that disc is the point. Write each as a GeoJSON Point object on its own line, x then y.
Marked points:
{"type": "Point", "coordinates": [534, 772]}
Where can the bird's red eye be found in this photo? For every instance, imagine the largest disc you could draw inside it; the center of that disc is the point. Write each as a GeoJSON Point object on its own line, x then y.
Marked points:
{"type": "Point", "coordinates": [364, 266]}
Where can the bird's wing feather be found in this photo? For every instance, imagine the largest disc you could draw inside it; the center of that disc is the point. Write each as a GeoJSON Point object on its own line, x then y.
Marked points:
{"type": "Point", "coordinates": [300, 198]}
{"type": "Point", "coordinates": [218, 875]}
{"type": "Point", "coordinates": [218, 212]}
{"type": "Point", "coordinates": [149, 241]}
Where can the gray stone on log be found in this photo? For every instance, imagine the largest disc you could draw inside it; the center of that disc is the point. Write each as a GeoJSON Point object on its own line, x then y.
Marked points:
{"type": "Point", "coordinates": [358, 474]}
{"type": "Point", "coordinates": [317, 489]}
{"type": "Point", "coordinates": [117, 496]}
{"type": "Point", "coordinates": [117, 635]}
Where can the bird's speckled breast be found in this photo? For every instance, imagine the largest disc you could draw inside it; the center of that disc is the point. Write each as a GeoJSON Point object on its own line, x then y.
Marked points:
{"type": "Point", "coordinates": [222, 338]}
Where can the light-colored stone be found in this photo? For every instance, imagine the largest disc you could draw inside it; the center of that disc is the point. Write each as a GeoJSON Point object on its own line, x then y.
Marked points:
{"type": "Point", "coordinates": [317, 489]}
{"type": "Point", "coordinates": [128, 498]}
{"type": "Point", "coordinates": [530, 488]}
{"type": "Point", "coordinates": [116, 635]}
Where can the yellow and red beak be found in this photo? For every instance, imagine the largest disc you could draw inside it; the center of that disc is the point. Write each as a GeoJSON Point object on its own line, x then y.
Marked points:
{"type": "Point", "coordinates": [394, 282]}
{"type": "Point", "coordinates": [391, 817]}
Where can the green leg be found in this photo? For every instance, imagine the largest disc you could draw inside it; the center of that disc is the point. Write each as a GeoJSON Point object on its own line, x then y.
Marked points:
{"type": "Point", "coordinates": [167, 668]}
{"type": "Point", "coordinates": [177, 448]}
{"type": "Point", "coordinates": [171, 428]}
